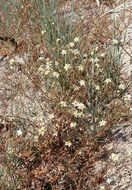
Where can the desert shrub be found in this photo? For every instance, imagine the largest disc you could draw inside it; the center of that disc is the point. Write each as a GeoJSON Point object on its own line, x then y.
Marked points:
{"type": "Point", "coordinates": [65, 91]}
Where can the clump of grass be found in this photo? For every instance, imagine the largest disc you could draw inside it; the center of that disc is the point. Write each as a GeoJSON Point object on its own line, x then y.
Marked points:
{"type": "Point", "coordinates": [65, 94]}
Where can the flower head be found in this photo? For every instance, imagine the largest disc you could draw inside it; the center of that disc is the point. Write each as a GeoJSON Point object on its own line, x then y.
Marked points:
{"type": "Point", "coordinates": [12, 61]}
{"type": "Point", "coordinates": [41, 70]}
{"type": "Point", "coordinates": [55, 133]}
{"type": "Point", "coordinates": [75, 113]}
{"type": "Point", "coordinates": [129, 153]}
{"type": "Point", "coordinates": [63, 52]}
{"type": "Point", "coordinates": [68, 143]}
{"type": "Point", "coordinates": [73, 124]}
{"type": "Point", "coordinates": [40, 58]}
{"type": "Point", "coordinates": [115, 157]}
{"type": "Point", "coordinates": [82, 82]}
{"type": "Point", "coordinates": [102, 187]}
{"type": "Point", "coordinates": [41, 118]}
{"type": "Point", "coordinates": [56, 63]}
{"type": "Point", "coordinates": [97, 87]}
{"type": "Point", "coordinates": [121, 86]}
{"type": "Point", "coordinates": [81, 106]}
{"type": "Point", "coordinates": [55, 74]}
{"type": "Point", "coordinates": [58, 39]}
{"type": "Point", "coordinates": [63, 104]}
{"type": "Point", "coordinates": [85, 55]}
{"type": "Point", "coordinates": [75, 52]}
{"type": "Point", "coordinates": [80, 114]}
{"type": "Point", "coordinates": [115, 41]}
{"type": "Point", "coordinates": [47, 72]}
{"type": "Point", "coordinates": [127, 97]}
{"type": "Point", "coordinates": [107, 80]}
{"type": "Point", "coordinates": [10, 150]}
{"type": "Point", "coordinates": [96, 60]}
{"type": "Point", "coordinates": [19, 132]}
{"type": "Point", "coordinates": [102, 123]}
{"type": "Point", "coordinates": [35, 138]}
{"type": "Point", "coordinates": [92, 53]}
{"type": "Point", "coordinates": [67, 66]}
{"type": "Point", "coordinates": [91, 60]}
{"type": "Point", "coordinates": [76, 39]}
{"type": "Point", "coordinates": [51, 116]}
{"type": "Point", "coordinates": [43, 32]}
{"type": "Point", "coordinates": [102, 55]}
{"type": "Point", "coordinates": [96, 48]}
{"type": "Point", "coordinates": [71, 44]}
{"type": "Point", "coordinates": [42, 131]}
{"type": "Point", "coordinates": [80, 68]}
{"type": "Point", "coordinates": [75, 103]}
{"type": "Point", "coordinates": [109, 180]}
{"type": "Point", "coordinates": [35, 118]}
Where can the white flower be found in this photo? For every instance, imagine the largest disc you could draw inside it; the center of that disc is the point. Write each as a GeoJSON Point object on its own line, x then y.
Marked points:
{"type": "Point", "coordinates": [129, 153]}
{"type": "Point", "coordinates": [73, 124]}
{"type": "Point", "coordinates": [55, 133]}
{"type": "Point", "coordinates": [63, 104]}
{"type": "Point", "coordinates": [115, 156]}
{"type": "Point", "coordinates": [81, 68]}
{"type": "Point", "coordinates": [81, 106]}
{"type": "Point", "coordinates": [42, 131]}
{"type": "Point", "coordinates": [102, 187]}
{"type": "Point", "coordinates": [35, 138]}
{"type": "Point", "coordinates": [56, 63]}
{"type": "Point", "coordinates": [102, 55]}
{"type": "Point", "coordinates": [10, 150]}
{"type": "Point", "coordinates": [91, 60]}
{"type": "Point", "coordinates": [41, 70]}
{"type": "Point", "coordinates": [115, 41]}
{"type": "Point", "coordinates": [12, 61]}
{"type": "Point", "coordinates": [102, 123]}
{"type": "Point", "coordinates": [48, 65]}
{"type": "Point", "coordinates": [127, 97]}
{"type": "Point", "coordinates": [85, 55]}
{"type": "Point", "coordinates": [75, 113]}
{"type": "Point", "coordinates": [97, 87]}
{"type": "Point", "coordinates": [35, 118]}
{"type": "Point", "coordinates": [80, 152]}
{"type": "Point", "coordinates": [63, 52]}
{"type": "Point", "coordinates": [107, 80]}
{"type": "Point", "coordinates": [43, 32]}
{"type": "Point", "coordinates": [40, 58]}
{"type": "Point", "coordinates": [82, 82]}
{"type": "Point", "coordinates": [71, 44]}
{"type": "Point", "coordinates": [47, 72]}
{"type": "Point", "coordinates": [75, 103]}
{"type": "Point", "coordinates": [41, 118]}
{"type": "Point", "coordinates": [19, 132]}
{"type": "Point", "coordinates": [67, 66]}
{"type": "Point", "coordinates": [92, 53]}
{"type": "Point", "coordinates": [76, 39]}
{"type": "Point", "coordinates": [58, 39]}
{"type": "Point", "coordinates": [121, 86]}
{"type": "Point", "coordinates": [97, 65]}
{"type": "Point", "coordinates": [109, 180]}
{"type": "Point", "coordinates": [19, 59]}
{"type": "Point", "coordinates": [96, 60]}
{"type": "Point", "coordinates": [80, 114]}
{"type": "Point", "coordinates": [75, 52]}
{"type": "Point", "coordinates": [10, 118]}
{"type": "Point", "coordinates": [68, 143]}
{"type": "Point", "coordinates": [51, 116]}
{"type": "Point", "coordinates": [96, 48]}
{"type": "Point", "coordinates": [55, 74]}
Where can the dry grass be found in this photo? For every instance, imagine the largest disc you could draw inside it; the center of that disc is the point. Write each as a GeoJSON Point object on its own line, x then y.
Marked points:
{"type": "Point", "coordinates": [35, 153]}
